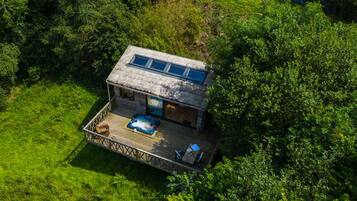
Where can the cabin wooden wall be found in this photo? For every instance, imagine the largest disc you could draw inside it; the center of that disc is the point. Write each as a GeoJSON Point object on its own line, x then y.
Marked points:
{"type": "Point", "coordinates": [138, 106]}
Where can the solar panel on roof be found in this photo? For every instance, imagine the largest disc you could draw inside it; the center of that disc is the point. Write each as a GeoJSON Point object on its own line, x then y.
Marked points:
{"type": "Point", "coordinates": [177, 69]}
{"type": "Point", "coordinates": [140, 61]}
{"type": "Point", "coordinates": [158, 65]}
{"type": "Point", "coordinates": [196, 75]}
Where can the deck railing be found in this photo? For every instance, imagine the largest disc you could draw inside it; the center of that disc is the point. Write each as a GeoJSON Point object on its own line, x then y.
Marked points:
{"type": "Point", "coordinates": [100, 116]}
{"type": "Point", "coordinates": [131, 152]}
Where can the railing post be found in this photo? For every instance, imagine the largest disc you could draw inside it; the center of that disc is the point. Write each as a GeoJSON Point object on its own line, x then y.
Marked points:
{"type": "Point", "coordinates": [108, 92]}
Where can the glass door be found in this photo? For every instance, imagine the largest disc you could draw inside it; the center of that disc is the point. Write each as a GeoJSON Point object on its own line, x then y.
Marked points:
{"type": "Point", "coordinates": [155, 106]}
{"type": "Point", "coordinates": [180, 114]}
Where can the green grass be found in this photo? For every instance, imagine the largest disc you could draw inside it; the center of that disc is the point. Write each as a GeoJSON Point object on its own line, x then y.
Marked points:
{"type": "Point", "coordinates": [43, 155]}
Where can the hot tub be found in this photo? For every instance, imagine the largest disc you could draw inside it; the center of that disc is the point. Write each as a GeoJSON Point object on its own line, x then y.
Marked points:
{"type": "Point", "coordinates": [144, 123]}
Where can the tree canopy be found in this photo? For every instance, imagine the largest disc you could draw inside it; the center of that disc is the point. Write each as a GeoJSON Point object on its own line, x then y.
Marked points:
{"type": "Point", "coordinates": [285, 83]}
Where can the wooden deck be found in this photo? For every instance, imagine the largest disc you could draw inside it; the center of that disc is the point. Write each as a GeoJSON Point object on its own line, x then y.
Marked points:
{"type": "Point", "coordinates": [169, 137]}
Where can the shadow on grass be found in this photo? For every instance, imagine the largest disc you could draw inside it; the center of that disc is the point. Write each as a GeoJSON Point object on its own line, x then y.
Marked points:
{"type": "Point", "coordinates": [97, 159]}
{"type": "Point", "coordinates": [93, 111]}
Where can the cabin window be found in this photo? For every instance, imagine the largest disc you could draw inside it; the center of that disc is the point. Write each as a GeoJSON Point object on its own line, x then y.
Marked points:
{"type": "Point", "coordinates": [155, 106]}
{"type": "Point", "coordinates": [140, 61]}
{"type": "Point", "coordinates": [158, 65]}
{"type": "Point", "coordinates": [127, 94]}
{"type": "Point", "coordinates": [177, 70]}
{"type": "Point", "coordinates": [196, 76]}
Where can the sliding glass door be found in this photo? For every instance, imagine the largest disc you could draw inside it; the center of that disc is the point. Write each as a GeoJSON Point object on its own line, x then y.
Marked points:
{"type": "Point", "coordinates": [155, 106]}
{"type": "Point", "coordinates": [180, 114]}
{"type": "Point", "coordinates": [171, 111]}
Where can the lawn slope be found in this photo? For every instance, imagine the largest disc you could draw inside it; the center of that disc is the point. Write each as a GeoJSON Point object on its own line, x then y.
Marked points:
{"type": "Point", "coordinates": [44, 155]}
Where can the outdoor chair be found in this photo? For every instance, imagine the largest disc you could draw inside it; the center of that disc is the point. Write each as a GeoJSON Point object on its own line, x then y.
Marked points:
{"type": "Point", "coordinates": [179, 154]}
{"type": "Point", "coordinates": [199, 157]}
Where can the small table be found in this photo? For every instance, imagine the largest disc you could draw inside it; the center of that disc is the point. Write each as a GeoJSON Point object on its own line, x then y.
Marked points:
{"type": "Point", "coordinates": [190, 155]}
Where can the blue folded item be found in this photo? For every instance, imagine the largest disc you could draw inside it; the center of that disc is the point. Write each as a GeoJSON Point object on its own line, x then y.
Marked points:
{"type": "Point", "coordinates": [195, 147]}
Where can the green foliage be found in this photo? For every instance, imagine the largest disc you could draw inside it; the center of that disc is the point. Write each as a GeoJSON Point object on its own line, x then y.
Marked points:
{"type": "Point", "coordinates": [34, 74]}
{"type": "Point", "coordinates": [9, 54]}
{"type": "Point", "coordinates": [137, 4]}
{"type": "Point", "coordinates": [12, 14]}
{"type": "Point", "coordinates": [241, 8]}
{"type": "Point", "coordinates": [180, 197]}
{"type": "Point", "coordinates": [44, 155]}
{"type": "Point", "coordinates": [85, 39]}
{"type": "Point", "coordinates": [107, 37]}
{"type": "Point", "coordinates": [285, 82]}
{"type": "Point", "coordinates": [80, 39]}
{"type": "Point", "coordinates": [2, 98]}
{"type": "Point", "coordinates": [254, 178]}
{"type": "Point", "coordinates": [247, 178]}
{"type": "Point", "coordinates": [176, 27]}
{"type": "Point", "coordinates": [283, 75]}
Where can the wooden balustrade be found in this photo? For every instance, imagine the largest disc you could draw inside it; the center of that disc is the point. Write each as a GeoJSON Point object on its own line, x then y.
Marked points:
{"type": "Point", "coordinates": [129, 151]}
{"type": "Point", "coordinates": [100, 116]}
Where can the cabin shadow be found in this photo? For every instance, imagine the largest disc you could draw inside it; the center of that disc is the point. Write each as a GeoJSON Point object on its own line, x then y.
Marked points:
{"type": "Point", "coordinates": [94, 158]}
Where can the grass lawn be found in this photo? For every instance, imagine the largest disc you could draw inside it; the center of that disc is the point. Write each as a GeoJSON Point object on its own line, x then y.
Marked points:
{"type": "Point", "coordinates": [43, 155]}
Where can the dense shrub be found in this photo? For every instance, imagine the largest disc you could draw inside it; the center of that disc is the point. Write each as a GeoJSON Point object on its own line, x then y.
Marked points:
{"type": "Point", "coordinates": [285, 82]}
{"type": "Point", "coordinates": [12, 14]}
{"type": "Point", "coordinates": [176, 27]}
{"type": "Point", "coordinates": [9, 54]}
{"type": "Point", "coordinates": [2, 98]}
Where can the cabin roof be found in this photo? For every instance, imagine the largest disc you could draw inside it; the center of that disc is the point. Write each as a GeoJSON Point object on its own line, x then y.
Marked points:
{"type": "Point", "coordinates": [160, 84]}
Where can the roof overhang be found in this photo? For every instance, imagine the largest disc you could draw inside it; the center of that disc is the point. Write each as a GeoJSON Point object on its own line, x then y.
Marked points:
{"type": "Point", "coordinates": [151, 83]}
{"type": "Point", "coordinates": [148, 94]}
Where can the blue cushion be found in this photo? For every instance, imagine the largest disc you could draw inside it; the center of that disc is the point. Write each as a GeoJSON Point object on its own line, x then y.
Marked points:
{"type": "Point", "coordinates": [195, 147]}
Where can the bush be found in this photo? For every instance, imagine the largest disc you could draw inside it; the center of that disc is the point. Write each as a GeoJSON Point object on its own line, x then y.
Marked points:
{"type": "Point", "coordinates": [9, 54]}
{"type": "Point", "coordinates": [176, 27]}
{"type": "Point", "coordinates": [34, 74]}
{"type": "Point", "coordinates": [2, 98]}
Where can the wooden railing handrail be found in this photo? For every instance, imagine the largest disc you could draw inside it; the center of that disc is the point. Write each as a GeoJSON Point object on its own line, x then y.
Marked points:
{"type": "Point", "coordinates": [97, 136]}
{"type": "Point", "coordinates": [100, 111]}
{"type": "Point", "coordinates": [140, 150]}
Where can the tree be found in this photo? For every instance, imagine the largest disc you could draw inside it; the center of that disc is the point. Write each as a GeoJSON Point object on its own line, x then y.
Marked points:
{"type": "Point", "coordinates": [81, 39]}
{"type": "Point", "coordinates": [254, 178]}
{"type": "Point", "coordinates": [12, 14]}
{"type": "Point", "coordinates": [277, 70]}
{"type": "Point", "coordinates": [9, 54]}
{"type": "Point", "coordinates": [285, 82]}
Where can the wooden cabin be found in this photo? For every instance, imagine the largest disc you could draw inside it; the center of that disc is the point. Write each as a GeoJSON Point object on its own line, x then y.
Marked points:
{"type": "Point", "coordinates": [167, 87]}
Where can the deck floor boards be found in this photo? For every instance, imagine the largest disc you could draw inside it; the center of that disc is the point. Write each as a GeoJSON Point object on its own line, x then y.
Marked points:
{"type": "Point", "coordinates": [169, 137]}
